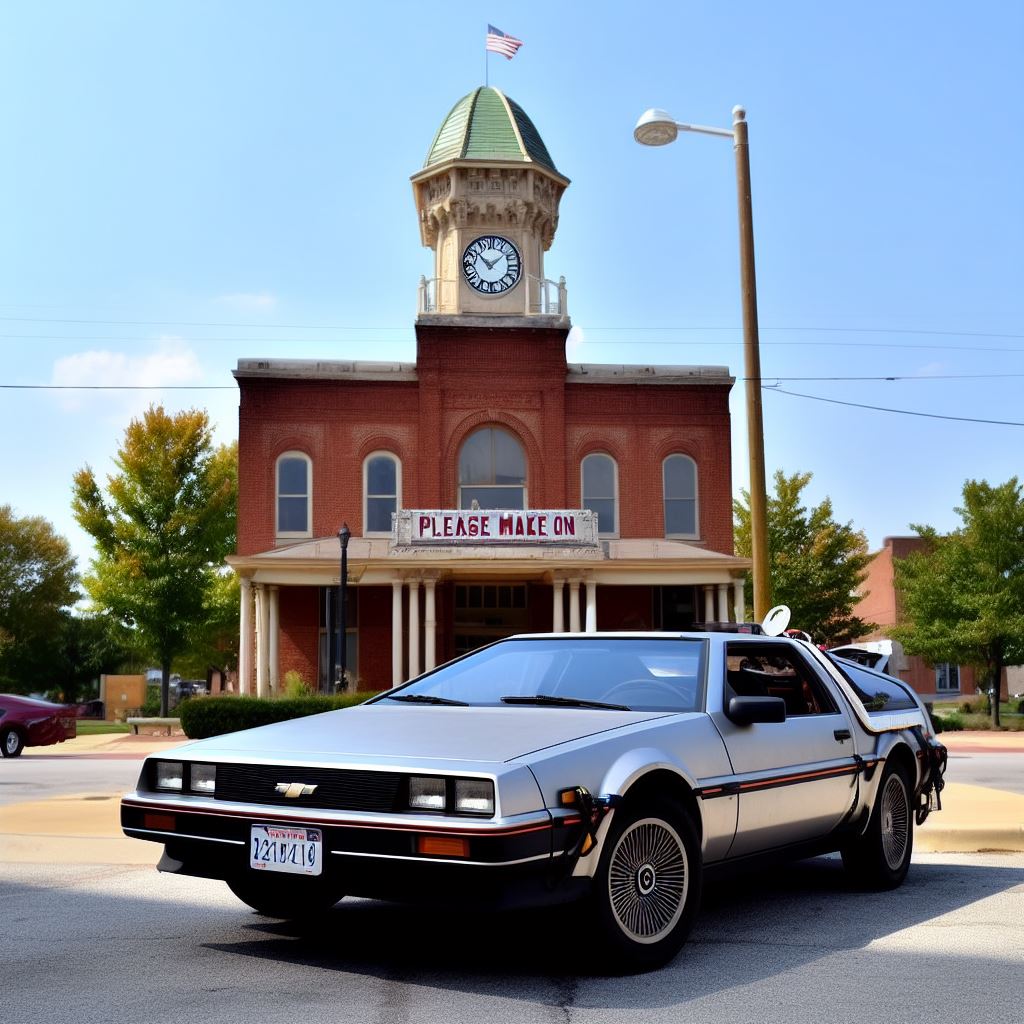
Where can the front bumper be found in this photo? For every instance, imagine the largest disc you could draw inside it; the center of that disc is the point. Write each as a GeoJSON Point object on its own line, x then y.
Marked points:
{"type": "Point", "coordinates": [508, 862]}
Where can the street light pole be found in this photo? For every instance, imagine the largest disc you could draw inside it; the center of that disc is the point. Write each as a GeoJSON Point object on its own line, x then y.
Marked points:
{"type": "Point", "coordinates": [343, 537]}
{"type": "Point", "coordinates": [657, 128]}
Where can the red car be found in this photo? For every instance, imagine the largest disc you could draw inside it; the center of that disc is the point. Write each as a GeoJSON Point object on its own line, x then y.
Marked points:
{"type": "Point", "coordinates": [27, 722]}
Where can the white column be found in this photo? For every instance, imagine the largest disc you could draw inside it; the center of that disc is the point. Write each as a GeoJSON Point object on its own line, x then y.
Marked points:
{"type": "Point", "coordinates": [414, 628]}
{"type": "Point", "coordinates": [591, 607]}
{"type": "Point", "coordinates": [396, 632]}
{"type": "Point", "coordinates": [246, 639]}
{"type": "Point", "coordinates": [723, 602]}
{"type": "Point", "coordinates": [273, 634]}
{"type": "Point", "coordinates": [574, 606]}
{"type": "Point", "coordinates": [558, 600]}
{"type": "Point", "coordinates": [737, 600]}
{"type": "Point", "coordinates": [429, 625]}
{"type": "Point", "coordinates": [709, 604]}
{"type": "Point", "coordinates": [262, 646]}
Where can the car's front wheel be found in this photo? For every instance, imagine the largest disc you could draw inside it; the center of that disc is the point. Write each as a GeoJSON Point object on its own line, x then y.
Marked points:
{"type": "Point", "coordinates": [880, 858]}
{"type": "Point", "coordinates": [647, 886]}
{"type": "Point", "coordinates": [12, 743]}
{"type": "Point", "coordinates": [285, 896]}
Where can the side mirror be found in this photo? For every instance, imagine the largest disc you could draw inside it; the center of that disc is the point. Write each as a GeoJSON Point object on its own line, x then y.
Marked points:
{"type": "Point", "coordinates": [749, 710]}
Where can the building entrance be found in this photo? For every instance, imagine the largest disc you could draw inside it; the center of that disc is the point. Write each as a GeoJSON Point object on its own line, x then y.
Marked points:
{"type": "Point", "coordinates": [485, 612]}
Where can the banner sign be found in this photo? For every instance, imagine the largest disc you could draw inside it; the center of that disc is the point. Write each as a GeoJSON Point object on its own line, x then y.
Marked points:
{"type": "Point", "coordinates": [519, 527]}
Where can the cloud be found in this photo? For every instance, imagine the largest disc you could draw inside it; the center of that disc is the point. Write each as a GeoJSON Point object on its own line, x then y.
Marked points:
{"type": "Point", "coordinates": [170, 362]}
{"type": "Point", "coordinates": [249, 302]}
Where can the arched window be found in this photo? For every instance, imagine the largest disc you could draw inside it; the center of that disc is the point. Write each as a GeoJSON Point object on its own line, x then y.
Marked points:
{"type": "Point", "coordinates": [600, 490]}
{"type": "Point", "coordinates": [492, 470]}
{"type": "Point", "coordinates": [382, 491]}
{"type": "Point", "coordinates": [294, 503]}
{"type": "Point", "coordinates": [679, 477]}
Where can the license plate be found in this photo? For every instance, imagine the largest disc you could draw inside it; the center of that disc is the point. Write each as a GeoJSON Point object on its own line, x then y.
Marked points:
{"type": "Point", "coordinates": [295, 851]}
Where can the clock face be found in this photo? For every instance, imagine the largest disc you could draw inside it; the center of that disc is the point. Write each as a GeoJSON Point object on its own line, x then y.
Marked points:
{"type": "Point", "coordinates": [492, 264]}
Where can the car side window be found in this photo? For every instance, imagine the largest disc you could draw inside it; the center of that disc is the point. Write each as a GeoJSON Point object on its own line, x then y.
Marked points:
{"type": "Point", "coordinates": [776, 670]}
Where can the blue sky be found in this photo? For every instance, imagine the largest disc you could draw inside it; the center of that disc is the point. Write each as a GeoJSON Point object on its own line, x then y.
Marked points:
{"type": "Point", "coordinates": [186, 184]}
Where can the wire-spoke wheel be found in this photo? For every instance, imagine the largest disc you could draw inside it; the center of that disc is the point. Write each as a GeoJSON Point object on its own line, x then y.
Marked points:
{"type": "Point", "coordinates": [895, 823]}
{"type": "Point", "coordinates": [880, 858]}
{"type": "Point", "coordinates": [647, 879]}
{"type": "Point", "coordinates": [648, 884]}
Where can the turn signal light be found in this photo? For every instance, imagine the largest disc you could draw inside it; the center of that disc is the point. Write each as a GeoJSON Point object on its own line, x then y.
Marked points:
{"type": "Point", "coordinates": [443, 846]}
{"type": "Point", "coordinates": [158, 822]}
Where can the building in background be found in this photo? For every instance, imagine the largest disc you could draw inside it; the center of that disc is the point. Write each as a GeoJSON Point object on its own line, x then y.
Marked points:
{"type": "Point", "coordinates": [880, 603]}
{"type": "Point", "coordinates": [491, 487]}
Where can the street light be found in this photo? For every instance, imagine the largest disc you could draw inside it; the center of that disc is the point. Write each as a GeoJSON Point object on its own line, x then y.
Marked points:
{"type": "Point", "coordinates": [657, 128]}
{"type": "Point", "coordinates": [343, 537]}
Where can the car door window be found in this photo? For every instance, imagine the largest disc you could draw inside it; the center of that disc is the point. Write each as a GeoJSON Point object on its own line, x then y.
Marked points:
{"type": "Point", "coordinates": [776, 670]}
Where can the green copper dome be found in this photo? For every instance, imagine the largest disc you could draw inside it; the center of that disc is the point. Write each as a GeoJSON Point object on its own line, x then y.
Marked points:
{"type": "Point", "coordinates": [487, 125]}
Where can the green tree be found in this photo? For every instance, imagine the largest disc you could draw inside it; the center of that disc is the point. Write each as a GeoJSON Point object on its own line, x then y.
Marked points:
{"type": "Point", "coordinates": [38, 582]}
{"type": "Point", "coordinates": [815, 564]}
{"type": "Point", "coordinates": [962, 597]}
{"type": "Point", "coordinates": [162, 530]}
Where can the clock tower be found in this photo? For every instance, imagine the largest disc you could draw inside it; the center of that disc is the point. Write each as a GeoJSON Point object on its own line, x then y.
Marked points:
{"type": "Point", "coordinates": [487, 199]}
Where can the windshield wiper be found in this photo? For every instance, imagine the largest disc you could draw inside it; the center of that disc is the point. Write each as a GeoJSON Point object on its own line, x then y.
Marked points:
{"type": "Point", "coordinates": [426, 698]}
{"type": "Point", "coordinates": [546, 699]}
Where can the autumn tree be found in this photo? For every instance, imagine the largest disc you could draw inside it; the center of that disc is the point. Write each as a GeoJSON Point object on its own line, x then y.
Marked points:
{"type": "Point", "coordinates": [816, 565]}
{"type": "Point", "coordinates": [38, 582]}
{"type": "Point", "coordinates": [162, 530]}
{"type": "Point", "coordinates": [962, 597]}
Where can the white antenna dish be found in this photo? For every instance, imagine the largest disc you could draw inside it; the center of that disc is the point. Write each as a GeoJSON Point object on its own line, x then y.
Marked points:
{"type": "Point", "coordinates": [776, 620]}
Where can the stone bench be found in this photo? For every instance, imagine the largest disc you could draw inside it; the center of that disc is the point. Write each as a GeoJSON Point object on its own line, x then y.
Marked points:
{"type": "Point", "coordinates": [163, 723]}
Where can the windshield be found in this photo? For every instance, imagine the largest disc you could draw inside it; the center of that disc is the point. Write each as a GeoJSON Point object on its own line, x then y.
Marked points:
{"type": "Point", "coordinates": [624, 674]}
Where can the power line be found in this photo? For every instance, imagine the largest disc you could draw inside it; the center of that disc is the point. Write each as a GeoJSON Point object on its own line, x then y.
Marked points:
{"type": "Point", "coordinates": [343, 327]}
{"type": "Point", "coordinates": [902, 412]}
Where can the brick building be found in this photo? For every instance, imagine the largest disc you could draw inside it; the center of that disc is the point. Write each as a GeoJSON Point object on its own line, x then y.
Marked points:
{"type": "Point", "coordinates": [490, 487]}
{"type": "Point", "coordinates": [880, 603]}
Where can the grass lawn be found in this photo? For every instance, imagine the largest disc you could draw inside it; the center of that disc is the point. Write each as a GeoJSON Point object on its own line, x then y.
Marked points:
{"type": "Point", "coordinates": [89, 728]}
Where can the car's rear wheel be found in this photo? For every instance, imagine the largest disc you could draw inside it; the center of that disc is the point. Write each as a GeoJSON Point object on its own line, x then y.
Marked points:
{"type": "Point", "coordinates": [12, 743]}
{"type": "Point", "coordinates": [648, 884]}
{"type": "Point", "coordinates": [285, 896]}
{"type": "Point", "coordinates": [880, 858]}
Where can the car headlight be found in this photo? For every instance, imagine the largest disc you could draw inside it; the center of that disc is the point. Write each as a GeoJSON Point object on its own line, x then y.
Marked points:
{"type": "Point", "coordinates": [203, 778]}
{"type": "Point", "coordinates": [427, 793]}
{"type": "Point", "coordinates": [169, 775]}
{"type": "Point", "coordinates": [474, 796]}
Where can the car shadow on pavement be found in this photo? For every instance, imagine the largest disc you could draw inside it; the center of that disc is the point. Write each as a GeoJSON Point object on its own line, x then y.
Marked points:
{"type": "Point", "coordinates": [778, 920]}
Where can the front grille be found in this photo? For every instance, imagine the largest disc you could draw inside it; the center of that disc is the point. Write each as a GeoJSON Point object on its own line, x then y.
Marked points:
{"type": "Point", "coordinates": [336, 788]}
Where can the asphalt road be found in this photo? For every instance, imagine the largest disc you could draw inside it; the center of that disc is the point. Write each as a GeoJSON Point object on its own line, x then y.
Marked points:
{"type": "Point", "coordinates": [112, 943]}
{"type": "Point", "coordinates": [39, 777]}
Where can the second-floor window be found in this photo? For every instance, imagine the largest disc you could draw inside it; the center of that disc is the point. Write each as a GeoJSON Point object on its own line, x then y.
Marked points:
{"type": "Point", "coordinates": [294, 495]}
{"type": "Point", "coordinates": [599, 488]}
{"type": "Point", "coordinates": [679, 477]}
{"type": "Point", "coordinates": [381, 491]}
{"type": "Point", "coordinates": [492, 470]}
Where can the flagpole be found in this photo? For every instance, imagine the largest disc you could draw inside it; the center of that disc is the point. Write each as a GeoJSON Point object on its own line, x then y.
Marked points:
{"type": "Point", "coordinates": [487, 65]}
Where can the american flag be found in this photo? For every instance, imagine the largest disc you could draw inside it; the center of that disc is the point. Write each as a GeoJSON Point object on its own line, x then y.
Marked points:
{"type": "Point", "coordinates": [502, 42]}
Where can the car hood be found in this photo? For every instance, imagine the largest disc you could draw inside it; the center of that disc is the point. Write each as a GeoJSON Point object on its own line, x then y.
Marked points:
{"type": "Point", "coordinates": [383, 733]}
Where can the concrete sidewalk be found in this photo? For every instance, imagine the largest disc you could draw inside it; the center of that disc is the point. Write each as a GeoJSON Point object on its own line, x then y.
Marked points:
{"type": "Point", "coordinates": [86, 829]}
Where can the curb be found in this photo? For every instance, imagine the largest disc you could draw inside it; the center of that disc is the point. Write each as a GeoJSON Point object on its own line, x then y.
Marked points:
{"type": "Point", "coordinates": [969, 840]}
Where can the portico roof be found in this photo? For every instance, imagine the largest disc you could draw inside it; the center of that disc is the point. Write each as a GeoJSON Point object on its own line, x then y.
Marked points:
{"type": "Point", "coordinates": [375, 561]}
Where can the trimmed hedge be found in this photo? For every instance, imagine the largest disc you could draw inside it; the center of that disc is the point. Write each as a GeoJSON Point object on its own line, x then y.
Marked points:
{"type": "Point", "coordinates": [213, 716]}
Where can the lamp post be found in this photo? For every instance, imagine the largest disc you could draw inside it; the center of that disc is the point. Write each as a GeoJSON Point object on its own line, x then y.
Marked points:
{"type": "Point", "coordinates": [343, 537]}
{"type": "Point", "coordinates": [657, 128]}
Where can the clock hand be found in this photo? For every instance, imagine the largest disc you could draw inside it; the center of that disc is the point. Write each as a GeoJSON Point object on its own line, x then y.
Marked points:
{"type": "Point", "coordinates": [490, 263]}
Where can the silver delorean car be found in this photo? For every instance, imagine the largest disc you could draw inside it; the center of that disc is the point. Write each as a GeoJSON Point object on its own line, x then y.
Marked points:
{"type": "Point", "coordinates": [613, 769]}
